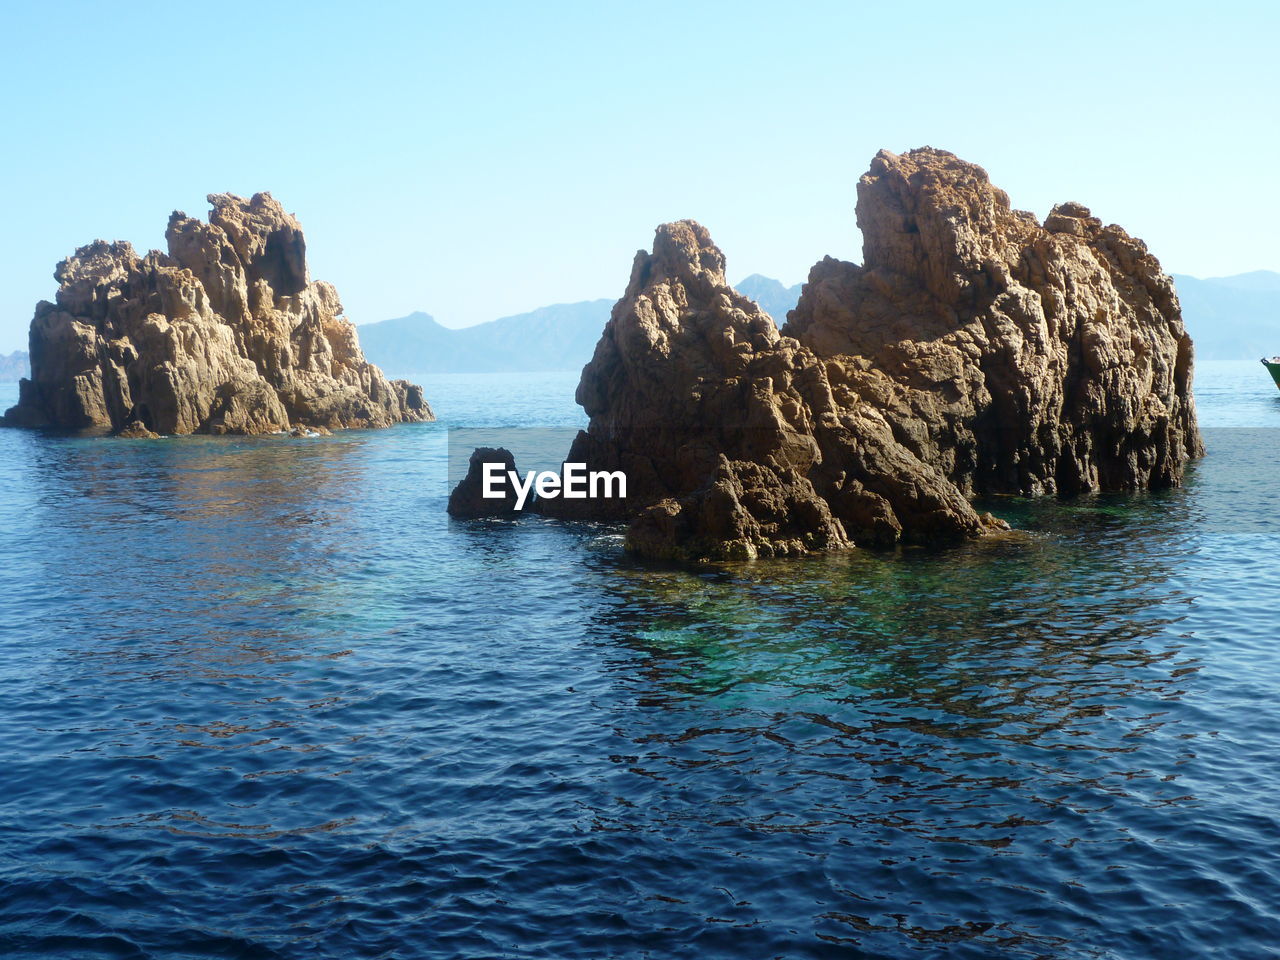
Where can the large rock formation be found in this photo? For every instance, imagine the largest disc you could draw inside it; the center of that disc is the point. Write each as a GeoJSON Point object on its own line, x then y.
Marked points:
{"type": "Point", "coordinates": [975, 352]}
{"type": "Point", "coordinates": [224, 334]}
{"type": "Point", "coordinates": [733, 443]}
{"type": "Point", "coordinates": [1017, 357]}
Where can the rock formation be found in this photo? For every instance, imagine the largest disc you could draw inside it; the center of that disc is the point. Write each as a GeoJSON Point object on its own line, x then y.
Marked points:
{"type": "Point", "coordinates": [1017, 357]}
{"type": "Point", "coordinates": [975, 352]}
{"type": "Point", "coordinates": [224, 334]}
{"type": "Point", "coordinates": [732, 441]}
{"type": "Point", "coordinates": [467, 501]}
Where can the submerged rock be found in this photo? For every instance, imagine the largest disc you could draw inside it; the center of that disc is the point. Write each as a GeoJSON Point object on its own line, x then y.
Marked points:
{"type": "Point", "coordinates": [137, 430]}
{"type": "Point", "coordinates": [223, 334]}
{"type": "Point", "coordinates": [976, 352]}
{"type": "Point", "coordinates": [310, 432]}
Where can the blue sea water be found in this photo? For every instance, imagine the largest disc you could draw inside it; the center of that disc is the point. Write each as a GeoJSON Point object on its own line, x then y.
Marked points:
{"type": "Point", "coordinates": [261, 698]}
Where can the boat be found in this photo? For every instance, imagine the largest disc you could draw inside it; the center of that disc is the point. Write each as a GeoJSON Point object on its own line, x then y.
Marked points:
{"type": "Point", "coordinates": [1273, 368]}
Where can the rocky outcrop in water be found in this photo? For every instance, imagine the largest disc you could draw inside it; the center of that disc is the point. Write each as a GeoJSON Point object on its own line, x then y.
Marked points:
{"type": "Point", "coordinates": [1018, 357]}
{"type": "Point", "coordinates": [225, 333]}
{"type": "Point", "coordinates": [733, 443]}
{"type": "Point", "coordinates": [975, 352]}
{"type": "Point", "coordinates": [468, 502]}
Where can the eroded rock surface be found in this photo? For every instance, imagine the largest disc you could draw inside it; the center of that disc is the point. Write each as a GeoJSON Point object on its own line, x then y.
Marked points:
{"type": "Point", "coordinates": [1016, 357]}
{"type": "Point", "coordinates": [223, 334]}
{"type": "Point", "coordinates": [731, 432]}
{"type": "Point", "coordinates": [976, 352]}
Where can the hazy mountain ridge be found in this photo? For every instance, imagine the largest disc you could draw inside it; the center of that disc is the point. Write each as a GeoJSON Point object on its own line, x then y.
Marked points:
{"type": "Point", "coordinates": [14, 366]}
{"type": "Point", "coordinates": [559, 337]}
{"type": "Point", "coordinates": [775, 299]}
{"type": "Point", "coordinates": [1230, 318]}
{"type": "Point", "coordinates": [562, 336]}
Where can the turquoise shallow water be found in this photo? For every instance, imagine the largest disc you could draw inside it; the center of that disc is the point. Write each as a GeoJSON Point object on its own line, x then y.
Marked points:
{"type": "Point", "coordinates": [260, 698]}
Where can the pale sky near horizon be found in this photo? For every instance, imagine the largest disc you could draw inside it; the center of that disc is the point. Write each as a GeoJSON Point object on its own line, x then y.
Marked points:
{"type": "Point", "coordinates": [479, 160]}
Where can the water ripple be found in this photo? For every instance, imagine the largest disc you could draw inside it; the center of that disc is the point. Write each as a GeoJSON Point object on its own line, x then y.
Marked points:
{"type": "Point", "coordinates": [260, 698]}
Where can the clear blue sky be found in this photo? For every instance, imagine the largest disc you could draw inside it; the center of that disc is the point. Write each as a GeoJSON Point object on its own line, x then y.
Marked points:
{"type": "Point", "coordinates": [477, 160]}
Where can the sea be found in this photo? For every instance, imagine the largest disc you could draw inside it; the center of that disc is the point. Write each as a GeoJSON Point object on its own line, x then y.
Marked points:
{"type": "Point", "coordinates": [262, 698]}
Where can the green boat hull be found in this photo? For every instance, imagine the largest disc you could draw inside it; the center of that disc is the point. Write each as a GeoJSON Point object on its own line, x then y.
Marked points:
{"type": "Point", "coordinates": [1274, 370]}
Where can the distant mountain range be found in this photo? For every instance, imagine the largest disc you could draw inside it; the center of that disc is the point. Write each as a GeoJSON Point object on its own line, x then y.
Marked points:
{"type": "Point", "coordinates": [1230, 318]}
{"type": "Point", "coordinates": [13, 366]}
{"type": "Point", "coordinates": [559, 337]}
{"type": "Point", "coordinates": [776, 299]}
